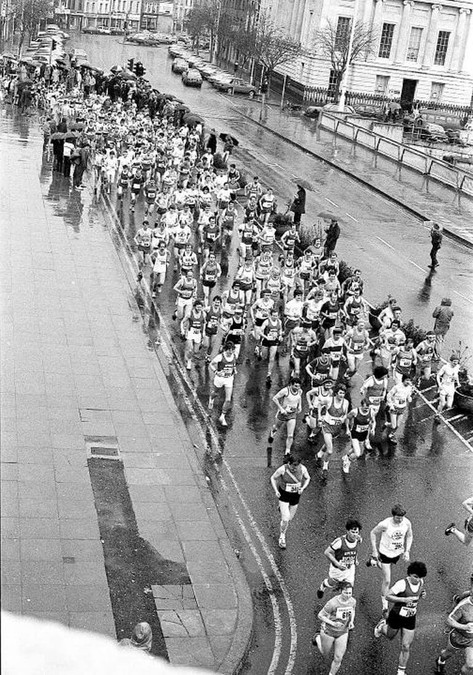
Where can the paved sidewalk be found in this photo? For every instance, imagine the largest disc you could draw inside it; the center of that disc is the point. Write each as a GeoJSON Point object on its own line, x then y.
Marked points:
{"type": "Point", "coordinates": [76, 366]}
{"type": "Point", "coordinates": [426, 199]}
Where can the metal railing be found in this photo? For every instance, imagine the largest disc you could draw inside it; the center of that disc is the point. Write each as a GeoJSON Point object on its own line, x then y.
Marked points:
{"type": "Point", "coordinates": [459, 179]}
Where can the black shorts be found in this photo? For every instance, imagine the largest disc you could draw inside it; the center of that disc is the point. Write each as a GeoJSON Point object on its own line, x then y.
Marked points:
{"type": "Point", "coordinates": [209, 284]}
{"type": "Point", "coordinates": [397, 622]}
{"type": "Point", "coordinates": [387, 560]}
{"type": "Point", "coordinates": [458, 640]}
{"type": "Point", "coordinates": [269, 343]}
{"type": "Point", "coordinates": [291, 498]}
{"type": "Point", "coordinates": [362, 436]}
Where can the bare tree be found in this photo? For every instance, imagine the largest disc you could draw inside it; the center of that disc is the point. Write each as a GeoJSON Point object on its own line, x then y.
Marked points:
{"type": "Point", "coordinates": [209, 18]}
{"type": "Point", "coordinates": [29, 13]}
{"type": "Point", "coordinates": [333, 42]}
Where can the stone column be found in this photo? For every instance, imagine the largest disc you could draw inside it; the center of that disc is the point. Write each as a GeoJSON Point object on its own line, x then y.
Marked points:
{"type": "Point", "coordinates": [377, 23]}
{"type": "Point", "coordinates": [293, 20]}
{"type": "Point", "coordinates": [404, 32]}
{"type": "Point", "coordinates": [459, 43]}
{"type": "Point", "coordinates": [299, 20]}
{"type": "Point", "coordinates": [432, 36]}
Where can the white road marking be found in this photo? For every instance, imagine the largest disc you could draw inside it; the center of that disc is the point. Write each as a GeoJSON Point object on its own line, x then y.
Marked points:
{"type": "Point", "coordinates": [385, 242]}
{"type": "Point", "coordinates": [456, 417]}
{"type": "Point", "coordinates": [447, 423]}
{"type": "Point", "coordinates": [464, 297]}
{"type": "Point", "coordinates": [418, 266]}
{"type": "Point", "coordinates": [330, 202]}
{"type": "Point", "coordinates": [355, 219]}
{"type": "Point", "coordinates": [191, 407]}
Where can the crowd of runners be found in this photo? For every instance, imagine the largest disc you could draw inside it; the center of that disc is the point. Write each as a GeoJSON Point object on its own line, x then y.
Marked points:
{"type": "Point", "coordinates": [285, 305]}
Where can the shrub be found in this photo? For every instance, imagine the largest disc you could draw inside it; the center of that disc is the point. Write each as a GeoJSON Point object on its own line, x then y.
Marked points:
{"type": "Point", "coordinates": [281, 222]}
{"type": "Point", "coordinates": [411, 330]}
{"type": "Point", "coordinates": [219, 162]}
{"type": "Point", "coordinates": [309, 233]}
{"type": "Point", "coordinates": [345, 271]}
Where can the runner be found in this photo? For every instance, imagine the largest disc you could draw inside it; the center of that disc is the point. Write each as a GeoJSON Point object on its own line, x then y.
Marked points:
{"type": "Point", "coordinates": [246, 276]}
{"type": "Point", "coordinates": [212, 322]}
{"type": "Point", "coordinates": [338, 617]}
{"type": "Point", "coordinates": [160, 265]}
{"type": "Point", "coordinates": [143, 240]}
{"type": "Point", "coordinates": [464, 537]}
{"type": "Point", "coordinates": [397, 399]}
{"type": "Point", "coordinates": [186, 289]}
{"type": "Point", "coordinates": [426, 352]}
{"type": "Point", "coordinates": [395, 541]}
{"type": "Point", "coordinates": [336, 348]}
{"type": "Point", "coordinates": [289, 404]}
{"type": "Point", "coordinates": [194, 326]}
{"type": "Point", "coordinates": [318, 398]}
{"type": "Point", "coordinates": [289, 482]}
{"type": "Point", "coordinates": [224, 368]}
{"type": "Point", "coordinates": [292, 316]}
{"type": "Point", "coordinates": [333, 417]}
{"type": "Point", "coordinates": [447, 380]}
{"type": "Point", "coordinates": [405, 359]}
{"type": "Point", "coordinates": [460, 621]}
{"type": "Point", "coordinates": [357, 344]}
{"type": "Point", "coordinates": [259, 312]}
{"type": "Point", "coordinates": [343, 557]}
{"type": "Point", "coordinates": [271, 337]}
{"type": "Point", "coordinates": [374, 390]}
{"type": "Point", "coordinates": [405, 596]}
{"type": "Point", "coordinates": [361, 423]}
{"type": "Point", "coordinates": [210, 273]}
{"type": "Point", "coordinates": [302, 339]}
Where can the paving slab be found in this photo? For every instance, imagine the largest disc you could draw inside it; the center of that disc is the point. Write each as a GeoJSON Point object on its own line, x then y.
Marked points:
{"type": "Point", "coordinates": [77, 365]}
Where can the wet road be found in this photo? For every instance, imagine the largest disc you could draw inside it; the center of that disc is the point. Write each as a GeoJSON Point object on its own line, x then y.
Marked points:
{"type": "Point", "coordinates": [430, 470]}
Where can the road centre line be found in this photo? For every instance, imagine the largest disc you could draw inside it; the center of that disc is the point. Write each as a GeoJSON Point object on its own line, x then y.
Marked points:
{"type": "Point", "coordinates": [174, 360]}
{"type": "Point", "coordinates": [464, 297]}
{"type": "Point", "coordinates": [355, 219]}
{"type": "Point", "coordinates": [385, 242]}
{"type": "Point", "coordinates": [418, 266]}
{"type": "Point", "coordinates": [457, 417]}
{"type": "Point", "coordinates": [330, 202]}
{"type": "Point", "coordinates": [447, 423]}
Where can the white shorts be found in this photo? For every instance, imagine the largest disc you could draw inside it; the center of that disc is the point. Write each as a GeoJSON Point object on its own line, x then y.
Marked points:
{"type": "Point", "coordinates": [342, 575]}
{"type": "Point", "coordinates": [220, 381]}
{"type": "Point", "coordinates": [194, 336]}
{"type": "Point", "coordinates": [183, 303]}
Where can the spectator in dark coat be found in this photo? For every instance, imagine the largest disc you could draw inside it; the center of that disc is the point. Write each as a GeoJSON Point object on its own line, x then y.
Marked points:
{"type": "Point", "coordinates": [436, 239]}
{"type": "Point", "coordinates": [333, 233]}
{"type": "Point", "coordinates": [298, 204]}
{"type": "Point", "coordinates": [212, 142]}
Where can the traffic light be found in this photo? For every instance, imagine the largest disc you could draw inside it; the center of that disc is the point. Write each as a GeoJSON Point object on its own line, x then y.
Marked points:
{"type": "Point", "coordinates": [264, 86]}
{"type": "Point", "coordinates": [139, 69]}
{"type": "Point", "coordinates": [130, 64]}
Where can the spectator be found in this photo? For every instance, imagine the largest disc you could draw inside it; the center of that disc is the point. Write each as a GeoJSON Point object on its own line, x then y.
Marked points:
{"type": "Point", "coordinates": [442, 314]}
{"type": "Point", "coordinates": [333, 233]}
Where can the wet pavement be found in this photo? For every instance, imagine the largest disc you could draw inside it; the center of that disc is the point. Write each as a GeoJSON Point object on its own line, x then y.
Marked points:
{"type": "Point", "coordinates": [429, 471]}
{"type": "Point", "coordinates": [107, 516]}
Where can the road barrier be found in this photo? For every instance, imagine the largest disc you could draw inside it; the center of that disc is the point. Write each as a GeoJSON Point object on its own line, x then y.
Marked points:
{"type": "Point", "coordinates": [458, 179]}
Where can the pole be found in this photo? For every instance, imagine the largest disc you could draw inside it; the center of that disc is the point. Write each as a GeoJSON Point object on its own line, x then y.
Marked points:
{"type": "Point", "coordinates": [283, 90]}
{"type": "Point", "coordinates": [343, 87]}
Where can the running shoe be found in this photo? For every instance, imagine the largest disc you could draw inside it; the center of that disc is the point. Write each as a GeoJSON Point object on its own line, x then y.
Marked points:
{"type": "Point", "coordinates": [314, 640]}
{"type": "Point", "coordinates": [270, 439]}
{"type": "Point", "coordinates": [223, 421]}
{"type": "Point", "coordinates": [282, 541]}
{"type": "Point", "coordinates": [449, 529]}
{"type": "Point", "coordinates": [189, 365]}
{"type": "Point", "coordinates": [439, 666]}
{"type": "Point", "coordinates": [378, 628]}
{"type": "Point", "coordinates": [456, 599]}
{"type": "Point", "coordinates": [268, 380]}
{"type": "Point", "coordinates": [346, 464]}
{"type": "Point", "coordinates": [392, 438]}
{"type": "Point", "coordinates": [320, 593]}
{"type": "Point", "coordinates": [153, 294]}
{"type": "Point", "coordinates": [211, 404]}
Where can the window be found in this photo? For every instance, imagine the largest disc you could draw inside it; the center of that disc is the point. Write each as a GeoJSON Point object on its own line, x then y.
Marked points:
{"type": "Point", "coordinates": [386, 40]}
{"type": "Point", "coordinates": [343, 32]}
{"type": "Point", "coordinates": [442, 47]}
{"type": "Point", "coordinates": [332, 84]}
{"type": "Point", "coordinates": [436, 91]}
{"type": "Point", "coordinates": [414, 44]}
{"type": "Point", "coordinates": [382, 82]}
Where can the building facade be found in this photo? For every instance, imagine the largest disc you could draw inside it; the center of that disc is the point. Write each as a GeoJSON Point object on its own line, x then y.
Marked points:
{"type": "Point", "coordinates": [181, 7]}
{"type": "Point", "coordinates": [157, 16]}
{"type": "Point", "coordinates": [423, 48]}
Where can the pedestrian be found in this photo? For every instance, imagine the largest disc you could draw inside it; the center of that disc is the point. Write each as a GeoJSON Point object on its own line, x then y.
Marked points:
{"type": "Point", "coordinates": [395, 541]}
{"type": "Point", "coordinates": [443, 315]}
{"type": "Point", "coordinates": [447, 380]}
{"type": "Point", "coordinates": [405, 596]}
{"type": "Point", "coordinates": [211, 144]}
{"type": "Point", "coordinates": [298, 205]}
{"type": "Point", "coordinates": [338, 617]}
{"type": "Point", "coordinates": [343, 557]}
{"type": "Point", "coordinates": [465, 537]}
{"type": "Point", "coordinates": [436, 237]}
{"type": "Point", "coordinates": [81, 166]}
{"type": "Point", "coordinates": [332, 234]}
{"type": "Point", "coordinates": [289, 404]}
{"type": "Point", "coordinates": [289, 482]}
{"type": "Point", "coordinates": [141, 638]}
{"type": "Point", "coordinates": [460, 622]}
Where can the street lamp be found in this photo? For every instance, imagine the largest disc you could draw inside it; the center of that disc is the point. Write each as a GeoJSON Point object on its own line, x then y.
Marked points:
{"type": "Point", "coordinates": [343, 86]}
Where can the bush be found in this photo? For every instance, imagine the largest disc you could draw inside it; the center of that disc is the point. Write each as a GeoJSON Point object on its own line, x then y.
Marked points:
{"type": "Point", "coordinates": [219, 162]}
{"type": "Point", "coordinates": [416, 333]}
{"type": "Point", "coordinates": [309, 233]}
{"type": "Point", "coordinates": [281, 222]}
{"type": "Point", "coordinates": [345, 272]}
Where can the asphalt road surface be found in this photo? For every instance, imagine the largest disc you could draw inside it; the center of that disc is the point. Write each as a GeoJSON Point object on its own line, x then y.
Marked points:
{"type": "Point", "coordinates": [430, 471]}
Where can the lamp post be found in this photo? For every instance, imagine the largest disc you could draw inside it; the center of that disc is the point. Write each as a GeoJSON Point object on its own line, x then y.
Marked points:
{"type": "Point", "coordinates": [344, 83]}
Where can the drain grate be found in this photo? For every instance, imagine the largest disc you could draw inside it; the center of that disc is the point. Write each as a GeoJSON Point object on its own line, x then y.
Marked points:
{"type": "Point", "coordinates": [69, 559]}
{"type": "Point", "coordinates": [102, 447]}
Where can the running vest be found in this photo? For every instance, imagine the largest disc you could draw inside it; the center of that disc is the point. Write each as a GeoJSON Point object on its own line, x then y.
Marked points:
{"type": "Point", "coordinates": [237, 328]}
{"type": "Point", "coordinates": [231, 302]}
{"type": "Point", "coordinates": [247, 232]}
{"type": "Point", "coordinates": [305, 267]}
{"type": "Point", "coordinates": [226, 367]}
{"type": "Point", "coordinates": [211, 232]}
{"type": "Point", "coordinates": [161, 260]}
{"type": "Point", "coordinates": [263, 268]}
{"type": "Point", "coordinates": [151, 194]}
{"type": "Point", "coordinates": [336, 416]}
{"type": "Point", "coordinates": [361, 422]}
{"type": "Point", "coordinates": [196, 322]}
{"type": "Point", "coordinates": [272, 330]}
{"type": "Point", "coordinates": [354, 307]}
{"type": "Point", "coordinates": [303, 340]}
{"type": "Point", "coordinates": [356, 341]}
{"type": "Point", "coordinates": [145, 238]}
{"type": "Point", "coordinates": [375, 391]}
{"type": "Point", "coordinates": [212, 319]}
{"type": "Point", "coordinates": [392, 539]}
{"type": "Point", "coordinates": [274, 286]}
{"type": "Point", "coordinates": [425, 351]}
{"type": "Point", "coordinates": [409, 609]}
{"type": "Point", "coordinates": [346, 554]}
{"type": "Point", "coordinates": [404, 361]}
{"type": "Point", "coordinates": [290, 239]}
{"type": "Point", "coordinates": [209, 273]}
{"type": "Point", "coordinates": [229, 220]}
{"type": "Point", "coordinates": [267, 202]}
{"type": "Point", "coordinates": [187, 261]}
{"type": "Point", "coordinates": [289, 270]}
{"type": "Point", "coordinates": [291, 481]}
{"type": "Point", "coordinates": [187, 288]}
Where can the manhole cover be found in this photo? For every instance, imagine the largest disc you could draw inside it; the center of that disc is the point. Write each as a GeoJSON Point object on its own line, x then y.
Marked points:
{"type": "Point", "coordinates": [102, 447]}
{"type": "Point", "coordinates": [109, 452]}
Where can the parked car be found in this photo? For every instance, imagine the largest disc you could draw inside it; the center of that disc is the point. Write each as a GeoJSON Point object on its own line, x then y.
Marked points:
{"type": "Point", "coordinates": [179, 66]}
{"type": "Point", "coordinates": [192, 78]}
{"type": "Point", "coordinates": [236, 85]}
{"type": "Point", "coordinates": [367, 110]}
{"type": "Point", "coordinates": [101, 30]}
{"type": "Point", "coordinates": [220, 75]}
{"type": "Point", "coordinates": [207, 70]}
{"type": "Point", "coordinates": [193, 60]}
{"type": "Point", "coordinates": [79, 56]}
{"type": "Point", "coordinates": [434, 133]}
